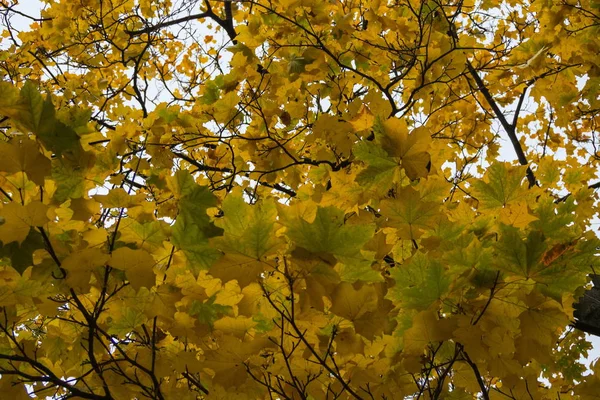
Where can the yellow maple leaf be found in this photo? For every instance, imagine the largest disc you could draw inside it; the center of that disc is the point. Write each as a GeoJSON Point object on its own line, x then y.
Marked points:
{"type": "Point", "coordinates": [24, 155]}
{"type": "Point", "coordinates": [117, 198]}
{"type": "Point", "coordinates": [411, 147]}
{"type": "Point", "coordinates": [19, 219]}
{"type": "Point", "coordinates": [352, 303]}
{"type": "Point", "coordinates": [80, 265]}
{"type": "Point", "coordinates": [137, 264]}
{"type": "Point", "coordinates": [426, 329]}
{"type": "Point", "coordinates": [516, 214]}
{"type": "Point", "coordinates": [363, 119]}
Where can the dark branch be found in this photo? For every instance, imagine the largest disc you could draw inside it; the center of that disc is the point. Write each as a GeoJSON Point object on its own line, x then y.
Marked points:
{"type": "Point", "coordinates": [508, 128]}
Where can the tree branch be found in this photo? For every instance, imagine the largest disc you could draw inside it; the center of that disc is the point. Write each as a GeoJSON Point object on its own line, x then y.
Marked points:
{"type": "Point", "coordinates": [157, 27]}
{"type": "Point", "coordinates": [508, 128]}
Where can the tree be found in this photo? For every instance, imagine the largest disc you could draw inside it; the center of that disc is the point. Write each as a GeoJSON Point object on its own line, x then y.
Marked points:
{"type": "Point", "coordinates": [297, 199]}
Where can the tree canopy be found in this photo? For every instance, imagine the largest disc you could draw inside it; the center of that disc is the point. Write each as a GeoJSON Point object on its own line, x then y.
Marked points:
{"type": "Point", "coordinates": [297, 199]}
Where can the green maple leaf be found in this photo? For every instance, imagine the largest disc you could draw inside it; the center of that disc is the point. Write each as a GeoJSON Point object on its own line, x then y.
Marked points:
{"type": "Point", "coordinates": [149, 234]}
{"type": "Point", "coordinates": [554, 219]}
{"type": "Point", "coordinates": [193, 227]}
{"type": "Point", "coordinates": [71, 183]}
{"type": "Point", "coordinates": [247, 229]}
{"type": "Point", "coordinates": [502, 184]}
{"type": "Point", "coordinates": [21, 255]}
{"type": "Point", "coordinates": [394, 149]}
{"type": "Point", "coordinates": [208, 312]}
{"type": "Point", "coordinates": [516, 255]}
{"type": "Point", "coordinates": [212, 90]}
{"type": "Point", "coordinates": [297, 64]}
{"type": "Point", "coordinates": [34, 114]}
{"type": "Point", "coordinates": [409, 214]}
{"type": "Point", "coordinates": [130, 319]}
{"type": "Point", "coordinates": [328, 235]}
{"type": "Point", "coordinates": [58, 137]}
{"type": "Point", "coordinates": [381, 168]}
{"type": "Point", "coordinates": [34, 107]}
{"type": "Point", "coordinates": [568, 272]}
{"type": "Point", "coordinates": [419, 283]}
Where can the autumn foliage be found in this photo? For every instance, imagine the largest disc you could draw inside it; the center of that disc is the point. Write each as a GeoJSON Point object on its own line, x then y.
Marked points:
{"type": "Point", "coordinates": [297, 199]}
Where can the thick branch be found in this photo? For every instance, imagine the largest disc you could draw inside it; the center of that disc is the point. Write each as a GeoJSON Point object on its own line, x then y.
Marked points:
{"type": "Point", "coordinates": [157, 27]}
{"type": "Point", "coordinates": [593, 186]}
{"type": "Point", "coordinates": [484, 389]}
{"type": "Point", "coordinates": [48, 376]}
{"type": "Point", "coordinates": [208, 168]}
{"type": "Point", "coordinates": [22, 14]}
{"type": "Point", "coordinates": [508, 128]}
{"type": "Point", "coordinates": [226, 23]}
{"type": "Point", "coordinates": [195, 382]}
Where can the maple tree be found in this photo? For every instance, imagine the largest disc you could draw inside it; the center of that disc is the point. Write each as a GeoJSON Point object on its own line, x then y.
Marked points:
{"type": "Point", "coordinates": [297, 199]}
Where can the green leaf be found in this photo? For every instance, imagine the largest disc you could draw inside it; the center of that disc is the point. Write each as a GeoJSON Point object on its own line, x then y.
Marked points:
{"type": "Point", "coordinates": [208, 312]}
{"type": "Point", "coordinates": [212, 90]}
{"type": "Point", "coordinates": [130, 319]}
{"type": "Point", "coordinates": [55, 135]}
{"type": "Point", "coordinates": [149, 235]}
{"type": "Point", "coordinates": [569, 272]}
{"type": "Point", "coordinates": [380, 166]}
{"type": "Point", "coordinates": [21, 256]}
{"type": "Point", "coordinates": [33, 102]}
{"type": "Point", "coordinates": [353, 269]}
{"type": "Point", "coordinates": [70, 181]}
{"type": "Point", "coordinates": [193, 227]}
{"type": "Point", "coordinates": [518, 256]}
{"type": "Point", "coordinates": [34, 114]}
{"type": "Point", "coordinates": [410, 215]}
{"type": "Point", "coordinates": [297, 64]}
{"type": "Point", "coordinates": [329, 234]}
{"type": "Point", "coordinates": [248, 229]}
{"type": "Point", "coordinates": [502, 184]}
{"type": "Point", "coordinates": [554, 219]}
{"type": "Point", "coordinates": [420, 283]}
{"type": "Point", "coordinates": [192, 239]}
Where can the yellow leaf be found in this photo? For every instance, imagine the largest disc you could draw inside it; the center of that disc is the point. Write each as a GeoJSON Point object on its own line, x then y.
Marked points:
{"type": "Point", "coordinates": [24, 155]}
{"type": "Point", "coordinates": [18, 220]}
{"type": "Point", "coordinates": [229, 295]}
{"type": "Point", "coordinates": [95, 237]}
{"type": "Point", "coordinates": [80, 265]}
{"type": "Point", "coordinates": [227, 359]}
{"type": "Point", "coordinates": [137, 264]}
{"type": "Point", "coordinates": [84, 209]}
{"type": "Point", "coordinates": [426, 329]}
{"type": "Point", "coordinates": [463, 376]}
{"type": "Point", "coordinates": [412, 148]}
{"type": "Point", "coordinates": [238, 326]}
{"type": "Point", "coordinates": [363, 119]}
{"type": "Point", "coordinates": [543, 320]}
{"type": "Point", "coordinates": [13, 389]}
{"type": "Point", "coordinates": [352, 303]}
{"type": "Point", "coordinates": [517, 215]}
{"type": "Point", "coordinates": [117, 198]}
